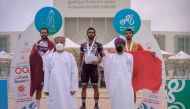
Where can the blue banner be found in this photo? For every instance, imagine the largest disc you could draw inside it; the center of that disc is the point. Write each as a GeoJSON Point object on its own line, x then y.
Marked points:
{"type": "Point", "coordinates": [3, 94]}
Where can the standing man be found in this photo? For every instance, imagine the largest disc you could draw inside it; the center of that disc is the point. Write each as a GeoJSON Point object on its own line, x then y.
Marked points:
{"type": "Point", "coordinates": [61, 77]}
{"type": "Point", "coordinates": [36, 64]}
{"type": "Point", "coordinates": [131, 45]}
{"type": "Point", "coordinates": [118, 69]}
{"type": "Point", "coordinates": [90, 57]}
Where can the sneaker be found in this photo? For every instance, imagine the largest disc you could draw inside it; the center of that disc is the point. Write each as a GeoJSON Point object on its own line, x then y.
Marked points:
{"type": "Point", "coordinates": [82, 107]}
{"type": "Point", "coordinates": [96, 107]}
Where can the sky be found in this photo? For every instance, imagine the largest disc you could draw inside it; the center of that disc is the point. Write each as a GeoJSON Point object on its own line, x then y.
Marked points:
{"type": "Point", "coordinates": [17, 15]}
{"type": "Point", "coordinates": [165, 15]}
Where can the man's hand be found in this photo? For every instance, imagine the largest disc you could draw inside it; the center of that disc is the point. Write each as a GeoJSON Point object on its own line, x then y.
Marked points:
{"type": "Point", "coordinates": [35, 46]}
{"type": "Point", "coordinates": [153, 53]}
{"type": "Point", "coordinates": [72, 92]}
{"type": "Point", "coordinates": [46, 93]}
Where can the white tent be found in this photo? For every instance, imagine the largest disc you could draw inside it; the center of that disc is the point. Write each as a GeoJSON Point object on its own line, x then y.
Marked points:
{"type": "Point", "coordinates": [166, 53]}
{"type": "Point", "coordinates": [70, 43]}
{"type": "Point", "coordinates": [110, 44]}
{"type": "Point", "coordinates": [5, 56]}
{"type": "Point", "coordinates": [178, 66]}
{"type": "Point", "coordinates": [180, 56]}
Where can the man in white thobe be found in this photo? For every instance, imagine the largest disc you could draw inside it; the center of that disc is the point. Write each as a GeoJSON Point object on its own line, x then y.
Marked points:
{"type": "Point", "coordinates": [118, 74]}
{"type": "Point", "coordinates": [61, 77]}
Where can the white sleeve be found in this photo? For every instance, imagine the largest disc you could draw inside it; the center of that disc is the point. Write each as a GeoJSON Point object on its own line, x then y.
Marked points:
{"type": "Point", "coordinates": [131, 64]}
{"type": "Point", "coordinates": [105, 64]}
{"type": "Point", "coordinates": [74, 75]}
{"type": "Point", "coordinates": [46, 66]}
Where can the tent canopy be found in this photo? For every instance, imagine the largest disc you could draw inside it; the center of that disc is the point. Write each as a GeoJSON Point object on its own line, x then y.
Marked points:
{"type": "Point", "coordinates": [166, 53]}
{"type": "Point", "coordinates": [180, 56]}
{"type": "Point", "coordinates": [70, 43]}
{"type": "Point", "coordinates": [4, 55]}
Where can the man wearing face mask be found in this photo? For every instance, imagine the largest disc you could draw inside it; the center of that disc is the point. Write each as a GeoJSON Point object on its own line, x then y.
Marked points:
{"type": "Point", "coordinates": [90, 57]}
{"type": "Point", "coordinates": [118, 69]}
{"type": "Point", "coordinates": [36, 64]}
{"type": "Point", "coordinates": [61, 77]}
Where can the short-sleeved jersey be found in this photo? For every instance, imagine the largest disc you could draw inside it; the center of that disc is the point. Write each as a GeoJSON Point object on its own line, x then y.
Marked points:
{"type": "Point", "coordinates": [96, 49]}
{"type": "Point", "coordinates": [42, 47]}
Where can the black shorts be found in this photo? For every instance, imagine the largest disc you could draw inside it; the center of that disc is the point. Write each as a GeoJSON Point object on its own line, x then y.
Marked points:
{"type": "Point", "coordinates": [89, 71]}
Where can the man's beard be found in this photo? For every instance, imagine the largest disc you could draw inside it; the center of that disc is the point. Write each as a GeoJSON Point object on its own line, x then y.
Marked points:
{"type": "Point", "coordinates": [128, 38]}
{"type": "Point", "coordinates": [44, 37]}
{"type": "Point", "coordinates": [90, 38]}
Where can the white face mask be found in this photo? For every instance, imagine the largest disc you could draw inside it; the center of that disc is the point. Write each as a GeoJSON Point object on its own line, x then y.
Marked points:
{"type": "Point", "coordinates": [59, 46]}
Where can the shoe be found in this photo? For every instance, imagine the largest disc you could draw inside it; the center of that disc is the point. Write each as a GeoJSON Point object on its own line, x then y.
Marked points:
{"type": "Point", "coordinates": [96, 107]}
{"type": "Point", "coordinates": [82, 107]}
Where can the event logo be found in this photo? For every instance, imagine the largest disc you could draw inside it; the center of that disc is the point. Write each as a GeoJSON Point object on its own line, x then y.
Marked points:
{"type": "Point", "coordinates": [144, 106]}
{"type": "Point", "coordinates": [24, 69]}
{"type": "Point", "coordinates": [31, 106]}
{"type": "Point", "coordinates": [49, 18]}
{"type": "Point", "coordinates": [176, 88]}
{"type": "Point", "coordinates": [178, 94]}
{"type": "Point", "coordinates": [126, 18]}
{"type": "Point", "coordinates": [22, 74]}
{"type": "Point", "coordinates": [21, 88]}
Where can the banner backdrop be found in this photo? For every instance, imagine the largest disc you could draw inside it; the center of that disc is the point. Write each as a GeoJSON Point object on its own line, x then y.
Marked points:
{"type": "Point", "coordinates": [47, 17]}
{"type": "Point", "coordinates": [20, 69]}
{"type": "Point", "coordinates": [178, 92]}
{"type": "Point", "coordinates": [151, 100]}
{"type": "Point", "coordinates": [128, 18]}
